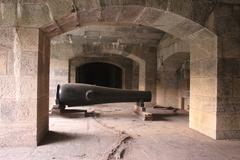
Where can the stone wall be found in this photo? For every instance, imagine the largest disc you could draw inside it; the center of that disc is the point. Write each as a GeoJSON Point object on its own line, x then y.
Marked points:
{"type": "Point", "coordinates": [172, 87]}
{"type": "Point", "coordinates": [19, 84]}
{"type": "Point", "coordinates": [228, 97]}
{"type": "Point", "coordinates": [211, 29]}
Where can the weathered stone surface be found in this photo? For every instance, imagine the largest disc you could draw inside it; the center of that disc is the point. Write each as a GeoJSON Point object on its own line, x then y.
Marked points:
{"type": "Point", "coordinates": [34, 15]}
{"type": "Point", "coordinates": [228, 122]}
{"type": "Point", "coordinates": [29, 64]}
{"type": "Point", "coordinates": [228, 105]}
{"type": "Point", "coordinates": [28, 39]}
{"type": "Point", "coordinates": [204, 122]}
{"type": "Point", "coordinates": [59, 8]}
{"type": "Point", "coordinates": [148, 16]}
{"type": "Point", "coordinates": [7, 37]}
{"type": "Point", "coordinates": [204, 68]}
{"type": "Point", "coordinates": [7, 87]}
{"type": "Point", "coordinates": [7, 13]}
{"type": "Point", "coordinates": [129, 14]}
{"type": "Point", "coordinates": [28, 87]}
{"type": "Point", "coordinates": [3, 62]}
{"type": "Point", "coordinates": [7, 110]}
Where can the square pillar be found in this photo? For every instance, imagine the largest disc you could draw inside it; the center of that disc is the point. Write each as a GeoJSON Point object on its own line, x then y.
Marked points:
{"type": "Point", "coordinates": [203, 83]}
{"type": "Point", "coordinates": [21, 98]}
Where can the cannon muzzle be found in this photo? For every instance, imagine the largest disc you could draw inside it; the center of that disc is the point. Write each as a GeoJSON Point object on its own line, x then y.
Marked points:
{"type": "Point", "coordinates": [77, 94]}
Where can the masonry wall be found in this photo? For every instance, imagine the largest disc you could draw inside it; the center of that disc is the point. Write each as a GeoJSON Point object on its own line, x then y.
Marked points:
{"type": "Point", "coordinates": [228, 111]}
{"type": "Point", "coordinates": [18, 87]}
{"type": "Point", "coordinates": [173, 73]}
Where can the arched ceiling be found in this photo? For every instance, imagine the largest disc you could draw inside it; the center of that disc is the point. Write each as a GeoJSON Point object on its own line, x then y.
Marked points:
{"type": "Point", "coordinates": [118, 35]}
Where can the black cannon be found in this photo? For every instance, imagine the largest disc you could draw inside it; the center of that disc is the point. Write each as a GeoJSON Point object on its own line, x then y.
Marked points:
{"type": "Point", "coordinates": [77, 94]}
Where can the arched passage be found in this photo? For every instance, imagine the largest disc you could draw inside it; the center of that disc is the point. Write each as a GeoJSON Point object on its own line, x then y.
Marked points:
{"type": "Point", "coordinates": [100, 74]}
{"type": "Point", "coordinates": [196, 35]}
{"type": "Point", "coordinates": [174, 83]}
{"type": "Point", "coordinates": [164, 15]}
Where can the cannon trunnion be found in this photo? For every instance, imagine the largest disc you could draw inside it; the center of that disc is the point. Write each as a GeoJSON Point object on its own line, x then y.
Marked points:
{"type": "Point", "coordinates": [77, 94]}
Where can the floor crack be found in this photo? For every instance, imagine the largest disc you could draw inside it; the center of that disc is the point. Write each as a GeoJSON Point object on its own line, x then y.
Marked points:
{"type": "Point", "coordinates": [124, 139]}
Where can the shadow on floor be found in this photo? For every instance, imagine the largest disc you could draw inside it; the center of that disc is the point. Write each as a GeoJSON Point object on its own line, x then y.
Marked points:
{"type": "Point", "coordinates": [74, 113]}
{"type": "Point", "coordinates": [167, 117]}
{"type": "Point", "coordinates": [54, 137]}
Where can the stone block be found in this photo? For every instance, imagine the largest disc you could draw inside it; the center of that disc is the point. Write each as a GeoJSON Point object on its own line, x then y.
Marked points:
{"type": "Point", "coordinates": [236, 87]}
{"type": "Point", "coordinates": [203, 103]}
{"type": "Point", "coordinates": [26, 110]}
{"type": "Point", "coordinates": [167, 21]}
{"type": "Point", "coordinates": [29, 64]}
{"type": "Point", "coordinates": [225, 87]}
{"type": "Point", "coordinates": [223, 11]}
{"type": "Point", "coordinates": [228, 105]}
{"type": "Point", "coordinates": [7, 14]}
{"type": "Point", "coordinates": [84, 5]}
{"type": "Point", "coordinates": [231, 47]}
{"type": "Point", "coordinates": [181, 8]}
{"type": "Point", "coordinates": [7, 37]}
{"type": "Point", "coordinates": [8, 87]}
{"type": "Point", "coordinates": [3, 63]}
{"type": "Point", "coordinates": [42, 117]}
{"type": "Point", "coordinates": [204, 68]}
{"type": "Point", "coordinates": [203, 86]}
{"type": "Point", "coordinates": [34, 15]}
{"type": "Point", "coordinates": [110, 14]}
{"type": "Point", "coordinates": [185, 28]}
{"type": "Point", "coordinates": [129, 14]}
{"type": "Point", "coordinates": [228, 134]}
{"type": "Point", "coordinates": [28, 87]}
{"type": "Point", "coordinates": [29, 39]}
{"type": "Point", "coordinates": [61, 73]}
{"type": "Point", "coordinates": [226, 121]}
{"type": "Point", "coordinates": [204, 122]}
{"type": "Point", "coordinates": [231, 30]}
{"type": "Point", "coordinates": [160, 4]}
{"type": "Point", "coordinates": [59, 8]}
{"type": "Point", "coordinates": [228, 67]}
{"type": "Point", "coordinates": [18, 135]}
{"type": "Point", "coordinates": [88, 17]}
{"type": "Point", "coordinates": [203, 44]}
{"type": "Point", "coordinates": [7, 110]}
{"type": "Point", "coordinates": [148, 16]}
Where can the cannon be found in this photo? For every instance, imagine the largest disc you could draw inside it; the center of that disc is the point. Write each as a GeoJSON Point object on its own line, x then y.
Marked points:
{"type": "Point", "coordinates": [77, 94]}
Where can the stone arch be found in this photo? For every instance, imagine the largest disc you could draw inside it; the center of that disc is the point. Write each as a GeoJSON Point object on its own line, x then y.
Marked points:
{"type": "Point", "coordinates": [168, 89]}
{"type": "Point", "coordinates": [172, 17]}
{"type": "Point", "coordinates": [199, 38]}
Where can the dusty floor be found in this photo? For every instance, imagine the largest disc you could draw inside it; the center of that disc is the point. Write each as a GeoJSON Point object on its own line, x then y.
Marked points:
{"type": "Point", "coordinates": [118, 132]}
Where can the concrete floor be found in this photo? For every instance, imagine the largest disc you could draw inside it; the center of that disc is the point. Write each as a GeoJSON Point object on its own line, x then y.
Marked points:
{"type": "Point", "coordinates": [118, 132]}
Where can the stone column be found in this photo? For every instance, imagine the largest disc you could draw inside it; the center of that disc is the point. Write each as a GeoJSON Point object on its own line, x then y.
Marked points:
{"type": "Point", "coordinates": [43, 86]}
{"type": "Point", "coordinates": [167, 88]}
{"type": "Point", "coordinates": [19, 58]}
{"type": "Point", "coordinates": [203, 82]}
{"type": "Point", "coordinates": [228, 102]}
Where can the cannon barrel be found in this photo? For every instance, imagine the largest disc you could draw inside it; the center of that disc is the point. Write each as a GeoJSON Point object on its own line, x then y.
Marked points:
{"type": "Point", "coordinates": [77, 94]}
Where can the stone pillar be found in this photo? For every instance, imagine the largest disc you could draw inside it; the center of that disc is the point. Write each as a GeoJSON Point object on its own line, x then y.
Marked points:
{"type": "Point", "coordinates": [43, 86]}
{"type": "Point", "coordinates": [19, 85]}
{"type": "Point", "coordinates": [150, 58]}
{"type": "Point", "coordinates": [168, 88]}
{"type": "Point", "coordinates": [203, 82]}
{"type": "Point", "coordinates": [228, 102]}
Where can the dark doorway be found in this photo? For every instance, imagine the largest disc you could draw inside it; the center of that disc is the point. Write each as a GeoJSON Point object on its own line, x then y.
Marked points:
{"type": "Point", "coordinates": [101, 74]}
